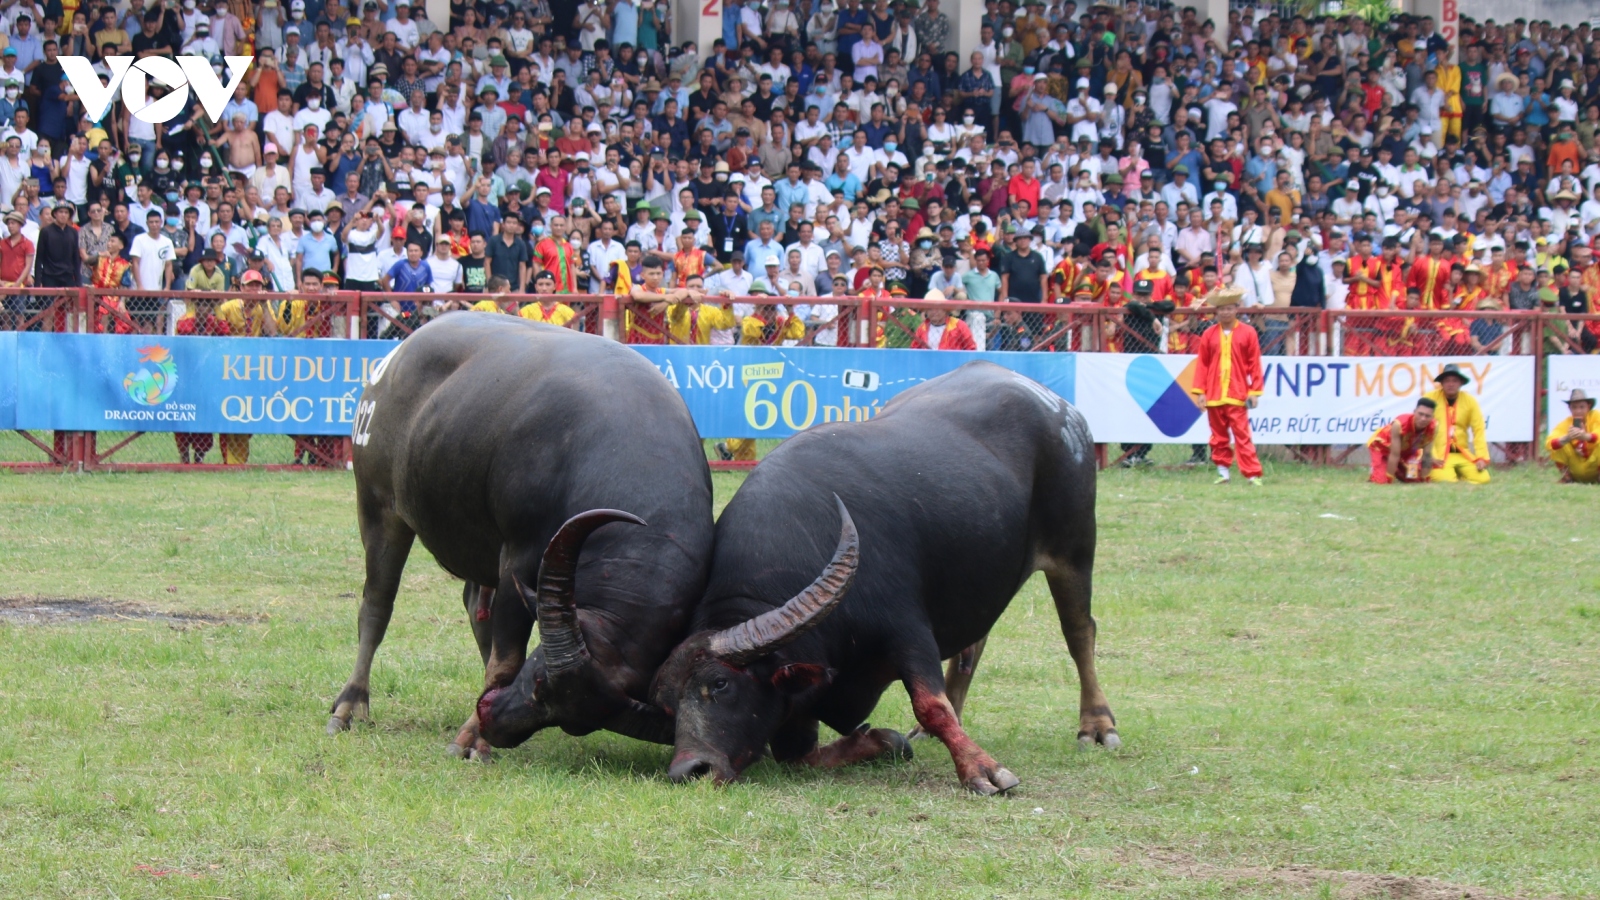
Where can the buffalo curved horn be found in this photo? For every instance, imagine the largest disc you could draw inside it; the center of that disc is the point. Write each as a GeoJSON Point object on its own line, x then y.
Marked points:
{"type": "Point", "coordinates": [749, 641]}
{"type": "Point", "coordinates": [556, 605]}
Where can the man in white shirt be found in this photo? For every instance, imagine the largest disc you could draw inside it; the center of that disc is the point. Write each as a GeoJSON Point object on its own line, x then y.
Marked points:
{"type": "Point", "coordinates": [403, 26]}
{"type": "Point", "coordinates": [1429, 100]}
{"type": "Point", "coordinates": [316, 196]}
{"type": "Point", "coordinates": [413, 120]}
{"type": "Point", "coordinates": [153, 255]}
{"type": "Point", "coordinates": [812, 259]}
{"type": "Point", "coordinates": [863, 159]}
{"type": "Point", "coordinates": [602, 253]}
{"type": "Point", "coordinates": [1217, 110]}
{"type": "Point", "coordinates": [1083, 112]}
{"type": "Point", "coordinates": [1411, 175]}
{"type": "Point", "coordinates": [278, 125]}
{"type": "Point", "coordinates": [1254, 277]}
{"type": "Point", "coordinates": [13, 169]}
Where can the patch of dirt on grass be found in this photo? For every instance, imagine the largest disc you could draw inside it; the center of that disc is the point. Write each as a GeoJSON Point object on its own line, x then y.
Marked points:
{"type": "Point", "coordinates": [69, 611]}
{"type": "Point", "coordinates": [1298, 878]}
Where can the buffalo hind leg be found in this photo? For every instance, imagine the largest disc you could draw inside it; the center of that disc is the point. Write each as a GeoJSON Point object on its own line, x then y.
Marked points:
{"type": "Point", "coordinates": [387, 541]}
{"type": "Point", "coordinates": [930, 703]}
{"type": "Point", "coordinates": [958, 674]}
{"type": "Point", "coordinates": [797, 743]}
{"type": "Point", "coordinates": [1096, 724]}
{"type": "Point", "coordinates": [509, 630]}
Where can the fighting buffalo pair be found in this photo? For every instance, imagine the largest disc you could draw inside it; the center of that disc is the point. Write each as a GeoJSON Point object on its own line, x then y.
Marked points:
{"type": "Point", "coordinates": [561, 473]}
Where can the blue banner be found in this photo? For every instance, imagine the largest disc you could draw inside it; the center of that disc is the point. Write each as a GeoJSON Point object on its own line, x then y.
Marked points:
{"type": "Point", "coordinates": [109, 382]}
{"type": "Point", "coordinates": [773, 392]}
{"type": "Point", "coordinates": [8, 380]}
{"type": "Point", "coordinates": [98, 382]}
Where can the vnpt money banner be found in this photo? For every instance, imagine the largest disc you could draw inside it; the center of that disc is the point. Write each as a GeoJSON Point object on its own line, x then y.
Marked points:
{"type": "Point", "coordinates": [773, 392]}
{"type": "Point", "coordinates": [1139, 398]}
{"type": "Point", "coordinates": [99, 382]}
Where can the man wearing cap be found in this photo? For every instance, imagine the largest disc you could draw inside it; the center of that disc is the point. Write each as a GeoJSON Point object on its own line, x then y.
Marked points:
{"type": "Point", "coordinates": [1402, 451]}
{"type": "Point", "coordinates": [1575, 441]}
{"type": "Point", "coordinates": [1228, 383]}
{"type": "Point", "coordinates": [1462, 444]}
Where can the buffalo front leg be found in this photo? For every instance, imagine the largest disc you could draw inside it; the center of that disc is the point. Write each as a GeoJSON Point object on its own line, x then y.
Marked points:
{"type": "Point", "coordinates": [510, 627]}
{"type": "Point", "coordinates": [479, 602]}
{"type": "Point", "coordinates": [387, 541]}
{"type": "Point", "coordinates": [930, 703]}
{"type": "Point", "coordinates": [958, 674]}
{"type": "Point", "coordinates": [797, 743]}
{"type": "Point", "coordinates": [1096, 724]}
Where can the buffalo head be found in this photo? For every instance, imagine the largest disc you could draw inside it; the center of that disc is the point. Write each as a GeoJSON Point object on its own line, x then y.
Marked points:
{"type": "Point", "coordinates": [727, 690]}
{"type": "Point", "coordinates": [561, 683]}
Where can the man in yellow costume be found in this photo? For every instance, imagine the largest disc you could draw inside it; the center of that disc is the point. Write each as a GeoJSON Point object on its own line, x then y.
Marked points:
{"type": "Point", "coordinates": [254, 316]}
{"type": "Point", "coordinates": [1450, 82]}
{"type": "Point", "coordinates": [691, 320]}
{"type": "Point", "coordinates": [1461, 444]}
{"type": "Point", "coordinates": [1575, 441]}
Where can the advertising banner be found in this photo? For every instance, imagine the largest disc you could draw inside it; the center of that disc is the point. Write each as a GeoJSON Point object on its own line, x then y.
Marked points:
{"type": "Point", "coordinates": [1565, 374]}
{"type": "Point", "coordinates": [303, 386]}
{"type": "Point", "coordinates": [8, 380]}
{"type": "Point", "coordinates": [1141, 398]}
{"type": "Point", "coordinates": [773, 392]}
{"type": "Point", "coordinates": [108, 382]}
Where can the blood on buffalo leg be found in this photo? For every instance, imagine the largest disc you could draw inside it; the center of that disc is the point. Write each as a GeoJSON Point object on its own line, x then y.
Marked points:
{"type": "Point", "coordinates": [957, 680]}
{"type": "Point", "coordinates": [976, 769]}
{"type": "Point", "coordinates": [387, 541]}
{"type": "Point", "coordinates": [796, 742]}
{"type": "Point", "coordinates": [1096, 724]}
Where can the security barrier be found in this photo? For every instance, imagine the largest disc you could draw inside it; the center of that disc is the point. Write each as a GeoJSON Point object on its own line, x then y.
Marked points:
{"type": "Point", "coordinates": [857, 322]}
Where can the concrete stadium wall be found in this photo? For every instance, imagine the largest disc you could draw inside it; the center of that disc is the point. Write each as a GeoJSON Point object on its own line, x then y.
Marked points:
{"type": "Point", "coordinates": [1560, 12]}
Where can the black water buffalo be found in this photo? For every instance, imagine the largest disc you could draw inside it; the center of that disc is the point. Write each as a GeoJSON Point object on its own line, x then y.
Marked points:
{"type": "Point", "coordinates": [960, 490]}
{"type": "Point", "coordinates": [508, 447]}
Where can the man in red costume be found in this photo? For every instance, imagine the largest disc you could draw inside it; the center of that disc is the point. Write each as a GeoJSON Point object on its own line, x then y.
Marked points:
{"type": "Point", "coordinates": [1402, 451]}
{"type": "Point", "coordinates": [1227, 384]}
{"type": "Point", "coordinates": [940, 332]}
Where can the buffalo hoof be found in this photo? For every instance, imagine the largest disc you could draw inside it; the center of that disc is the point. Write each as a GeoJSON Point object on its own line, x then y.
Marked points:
{"type": "Point", "coordinates": [993, 781]}
{"type": "Point", "coordinates": [1107, 739]}
{"type": "Point", "coordinates": [898, 747]}
{"type": "Point", "coordinates": [917, 734]}
{"type": "Point", "coordinates": [481, 754]}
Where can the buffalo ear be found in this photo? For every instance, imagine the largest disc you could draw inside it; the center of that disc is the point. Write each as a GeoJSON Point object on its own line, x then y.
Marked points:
{"type": "Point", "coordinates": [797, 677]}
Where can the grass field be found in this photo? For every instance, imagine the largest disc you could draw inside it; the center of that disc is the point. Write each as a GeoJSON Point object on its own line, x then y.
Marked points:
{"type": "Point", "coordinates": [1319, 684]}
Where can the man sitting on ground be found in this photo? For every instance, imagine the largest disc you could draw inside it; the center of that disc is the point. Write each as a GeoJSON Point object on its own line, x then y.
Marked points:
{"type": "Point", "coordinates": [1402, 451]}
{"type": "Point", "coordinates": [1573, 442]}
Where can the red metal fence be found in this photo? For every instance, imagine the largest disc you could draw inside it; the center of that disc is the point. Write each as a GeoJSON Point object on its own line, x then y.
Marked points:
{"type": "Point", "coordinates": [830, 321]}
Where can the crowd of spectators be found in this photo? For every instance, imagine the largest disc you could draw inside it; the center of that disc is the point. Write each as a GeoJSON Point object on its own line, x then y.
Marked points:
{"type": "Point", "coordinates": [1120, 155]}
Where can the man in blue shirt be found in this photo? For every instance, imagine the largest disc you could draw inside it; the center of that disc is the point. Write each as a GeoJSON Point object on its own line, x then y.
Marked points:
{"type": "Point", "coordinates": [790, 192]}
{"type": "Point", "coordinates": [841, 180]}
{"type": "Point", "coordinates": [482, 215]}
{"type": "Point", "coordinates": [318, 248]}
{"type": "Point", "coordinates": [409, 275]}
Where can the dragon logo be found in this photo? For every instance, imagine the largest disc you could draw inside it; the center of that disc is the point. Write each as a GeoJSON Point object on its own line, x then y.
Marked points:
{"type": "Point", "coordinates": [156, 378]}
